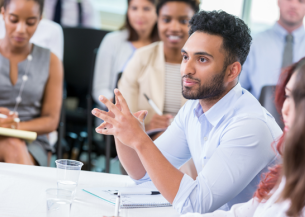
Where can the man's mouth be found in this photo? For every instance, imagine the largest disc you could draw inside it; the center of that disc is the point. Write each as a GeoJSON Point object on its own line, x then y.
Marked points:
{"type": "Point", "coordinates": [189, 82]}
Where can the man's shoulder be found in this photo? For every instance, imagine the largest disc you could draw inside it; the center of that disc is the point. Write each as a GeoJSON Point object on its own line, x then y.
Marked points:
{"type": "Point", "coordinates": [263, 38]}
{"type": "Point", "coordinates": [248, 108]}
{"type": "Point", "coordinates": [247, 105]}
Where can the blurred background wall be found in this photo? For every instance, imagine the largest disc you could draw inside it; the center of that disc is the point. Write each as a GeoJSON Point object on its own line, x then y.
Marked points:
{"type": "Point", "coordinates": [259, 14]}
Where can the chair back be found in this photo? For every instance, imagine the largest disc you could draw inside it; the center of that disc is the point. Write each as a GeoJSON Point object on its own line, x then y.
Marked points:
{"type": "Point", "coordinates": [79, 44]}
{"type": "Point", "coordinates": [267, 100]}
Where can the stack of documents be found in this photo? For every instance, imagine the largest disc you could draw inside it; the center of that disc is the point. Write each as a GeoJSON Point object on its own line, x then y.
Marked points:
{"type": "Point", "coordinates": [130, 201]}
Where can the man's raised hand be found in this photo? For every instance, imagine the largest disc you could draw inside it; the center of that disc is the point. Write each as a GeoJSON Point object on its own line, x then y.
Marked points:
{"type": "Point", "coordinates": [119, 121]}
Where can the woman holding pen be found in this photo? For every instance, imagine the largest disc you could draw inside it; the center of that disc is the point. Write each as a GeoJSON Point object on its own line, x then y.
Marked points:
{"type": "Point", "coordinates": [152, 77]}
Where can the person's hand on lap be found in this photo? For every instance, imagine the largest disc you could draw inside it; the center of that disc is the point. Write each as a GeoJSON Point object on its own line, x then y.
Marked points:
{"type": "Point", "coordinates": [8, 122]}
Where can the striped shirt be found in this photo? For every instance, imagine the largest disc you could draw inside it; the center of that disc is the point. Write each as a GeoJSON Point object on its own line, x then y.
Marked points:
{"type": "Point", "coordinates": [173, 89]}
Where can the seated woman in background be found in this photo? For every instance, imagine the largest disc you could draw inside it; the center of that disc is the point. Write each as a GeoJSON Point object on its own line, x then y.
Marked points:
{"type": "Point", "coordinates": [155, 69]}
{"type": "Point", "coordinates": [31, 80]}
{"type": "Point", "coordinates": [118, 47]}
{"type": "Point", "coordinates": [282, 190]}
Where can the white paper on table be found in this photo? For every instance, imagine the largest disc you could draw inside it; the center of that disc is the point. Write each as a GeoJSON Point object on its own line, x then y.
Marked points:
{"type": "Point", "coordinates": [130, 201]}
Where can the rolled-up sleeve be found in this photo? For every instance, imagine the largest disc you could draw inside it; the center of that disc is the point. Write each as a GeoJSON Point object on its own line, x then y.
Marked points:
{"type": "Point", "coordinates": [243, 152]}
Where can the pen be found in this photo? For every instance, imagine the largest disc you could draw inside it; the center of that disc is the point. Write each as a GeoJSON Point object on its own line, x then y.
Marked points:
{"type": "Point", "coordinates": [117, 205]}
{"type": "Point", "coordinates": [139, 193]}
{"type": "Point", "coordinates": [17, 120]}
{"type": "Point", "coordinates": [153, 105]}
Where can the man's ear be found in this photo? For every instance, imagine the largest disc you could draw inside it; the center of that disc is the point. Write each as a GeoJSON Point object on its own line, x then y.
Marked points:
{"type": "Point", "coordinates": [233, 71]}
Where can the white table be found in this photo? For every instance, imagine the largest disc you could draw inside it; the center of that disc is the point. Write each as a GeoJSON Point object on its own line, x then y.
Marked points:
{"type": "Point", "coordinates": [22, 193]}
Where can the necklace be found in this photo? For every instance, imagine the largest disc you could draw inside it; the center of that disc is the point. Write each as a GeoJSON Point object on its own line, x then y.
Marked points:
{"type": "Point", "coordinates": [24, 79]}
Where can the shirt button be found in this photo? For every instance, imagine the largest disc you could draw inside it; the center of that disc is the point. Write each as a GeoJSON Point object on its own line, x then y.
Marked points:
{"type": "Point", "coordinates": [205, 138]}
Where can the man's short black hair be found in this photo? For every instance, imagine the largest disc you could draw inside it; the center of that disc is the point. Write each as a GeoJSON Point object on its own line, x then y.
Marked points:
{"type": "Point", "coordinates": [193, 3]}
{"type": "Point", "coordinates": [235, 33]}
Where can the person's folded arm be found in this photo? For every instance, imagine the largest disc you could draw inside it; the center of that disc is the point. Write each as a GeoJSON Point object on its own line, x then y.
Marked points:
{"type": "Point", "coordinates": [244, 151]}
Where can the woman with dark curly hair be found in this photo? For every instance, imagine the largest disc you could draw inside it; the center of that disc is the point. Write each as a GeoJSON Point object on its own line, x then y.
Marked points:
{"type": "Point", "coordinates": [281, 192]}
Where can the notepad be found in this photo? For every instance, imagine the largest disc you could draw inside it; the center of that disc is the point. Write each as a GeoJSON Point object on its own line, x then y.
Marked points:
{"type": "Point", "coordinates": [21, 134]}
{"type": "Point", "coordinates": [130, 201]}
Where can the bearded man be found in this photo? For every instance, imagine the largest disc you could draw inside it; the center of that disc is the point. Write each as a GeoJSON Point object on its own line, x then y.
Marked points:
{"type": "Point", "coordinates": [222, 126]}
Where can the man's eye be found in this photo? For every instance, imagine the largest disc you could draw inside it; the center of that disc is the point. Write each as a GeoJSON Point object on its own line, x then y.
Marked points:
{"type": "Point", "coordinates": [166, 20]}
{"type": "Point", "coordinates": [184, 57]}
{"type": "Point", "coordinates": [201, 59]}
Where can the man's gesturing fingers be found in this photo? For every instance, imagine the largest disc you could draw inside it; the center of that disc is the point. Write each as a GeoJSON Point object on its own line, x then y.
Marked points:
{"type": "Point", "coordinates": [110, 105]}
{"type": "Point", "coordinates": [105, 128]}
{"type": "Point", "coordinates": [104, 116]}
{"type": "Point", "coordinates": [105, 125]}
{"type": "Point", "coordinates": [122, 101]}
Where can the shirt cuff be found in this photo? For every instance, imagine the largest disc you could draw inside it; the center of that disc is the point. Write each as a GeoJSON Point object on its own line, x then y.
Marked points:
{"type": "Point", "coordinates": [181, 201]}
{"type": "Point", "coordinates": [145, 178]}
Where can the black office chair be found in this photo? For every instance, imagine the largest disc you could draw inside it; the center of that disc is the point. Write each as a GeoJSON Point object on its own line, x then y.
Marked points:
{"type": "Point", "coordinates": [267, 100]}
{"type": "Point", "coordinates": [78, 66]}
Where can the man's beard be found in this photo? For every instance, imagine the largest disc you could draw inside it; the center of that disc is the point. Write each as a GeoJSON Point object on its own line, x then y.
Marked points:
{"type": "Point", "coordinates": [212, 90]}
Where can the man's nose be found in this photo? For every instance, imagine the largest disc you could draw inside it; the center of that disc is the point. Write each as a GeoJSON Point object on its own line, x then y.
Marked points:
{"type": "Point", "coordinates": [187, 68]}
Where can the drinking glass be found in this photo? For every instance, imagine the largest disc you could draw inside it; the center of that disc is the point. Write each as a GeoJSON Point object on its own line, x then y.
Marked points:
{"type": "Point", "coordinates": [58, 202]}
{"type": "Point", "coordinates": [68, 174]}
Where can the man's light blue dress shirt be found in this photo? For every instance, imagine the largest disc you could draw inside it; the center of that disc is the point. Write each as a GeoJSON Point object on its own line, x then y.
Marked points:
{"type": "Point", "coordinates": [264, 62]}
{"type": "Point", "coordinates": [231, 144]}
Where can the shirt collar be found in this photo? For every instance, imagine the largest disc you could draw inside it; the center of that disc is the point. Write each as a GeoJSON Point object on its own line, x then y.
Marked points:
{"type": "Point", "coordinates": [298, 34]}
{"type": "Point", "coordinates": [215, 114]}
